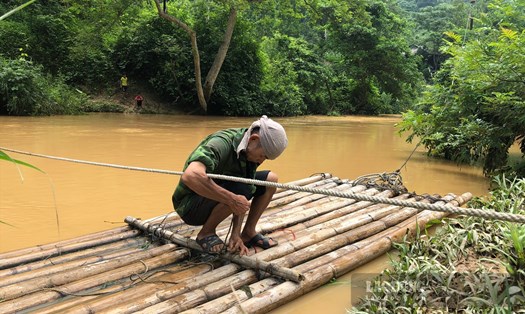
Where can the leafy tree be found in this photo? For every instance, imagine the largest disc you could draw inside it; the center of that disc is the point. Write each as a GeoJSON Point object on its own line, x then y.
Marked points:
{"type": "Point", "coordinates": [204, 92]}
{"type": "Point", "coordinates": [156, 52]}
{"type": "Point", "coordinates": [97, 25]}
{"type": "Point", "coordinates": [51, 38]}
{"type": "Point", "coordinates": [430, 20]}
{"type": "Point", "coordinates": [13, 39]}
{"type": "Point", "coordinates": [237, 91]}
{"type": "Point", "coordinates": [284, 95]}
{"type": "Point", "coordinates": [26, 90]}
{"type": "Point", "coordinates": [476, 109]}
{"type": "Point", "coordinates": [369, 35]}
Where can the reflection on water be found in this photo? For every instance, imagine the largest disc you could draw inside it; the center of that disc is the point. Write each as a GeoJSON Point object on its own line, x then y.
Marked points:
{"type": "Point", "coordinates": [88, 198]}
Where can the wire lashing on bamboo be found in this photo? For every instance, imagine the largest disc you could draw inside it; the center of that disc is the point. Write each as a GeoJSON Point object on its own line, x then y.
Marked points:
{"type": "Point", "coordinates": [246, 261]}
{"type": "Point", "coordinates": [488, 214]}
{"type": "Point", "coordinates": [383, 181]}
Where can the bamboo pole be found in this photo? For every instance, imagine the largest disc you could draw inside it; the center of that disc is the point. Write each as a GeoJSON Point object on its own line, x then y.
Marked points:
{"type": "Point", "coordinates": [330, 211]}
{"type": "Point", "coordinates": [275, 224]}
{"type": "Point", "coordinates": [175, 298]}
{"type": "Point", "coordinates": [102, 250]}
{"type": "Point", "coordinates": [50, 249]}
{"type": "Point", "coordinates": [186, 301]}
{"type": "Point", "coordinates": [269, 219]}
{"type": "Point", "coordinates": [300, 196]}
{"type": "Point", "coordinates": [407, 227]}
{"type": "Point", "coordinates": [316, 277]}
{"type": "Point", "coordinates": [313, 201]}
{"type": "Point", "coordinates": [311, 236]}
{"type": "Point", "coordinates": [283, 293]}
{"type": "Point", "coordinates": [407, 224]}
{"type": "Point", "coordinates": [343, 234]}
{"type": "Point", "coordinates": [271, 214]}
{"type": "Point", "coordinates": [121, 294]}
{"type": "Point", "coordinates": [304, 214]}
{"type": "Point", "coordinates": [351, 207]}
{"type": "Point", "coordinates": [241, 260]}
{"type": "Point", "coordinates": [45, 247]}
{"type": "Point", "coordinates": [70, 247]}
{"type": "Point", "coordinates": [149, 299]}
{"type": "Point", "coordinates": [288, 291]}
{"type": "Point", "coordinates": [57, 268]}
{"type": "Point", "coordinates": [80, 282]}
{"type": "Point", "coordinates": [168, 305]}
{"type": "Point", "coordinates": [199, 296]}
{"type": "Point", "coordinates": [280, 198]}
{"type": "Point", "coordinates": [23, 288]}
{"type": "Point", "coordinates": [308, 182]}
{"type": "Point", "coordinates": [334, 215]}
{"type": "Point", "coordinates": [298, 214]}
{"type": "Point", "coordinates": [230, 300]}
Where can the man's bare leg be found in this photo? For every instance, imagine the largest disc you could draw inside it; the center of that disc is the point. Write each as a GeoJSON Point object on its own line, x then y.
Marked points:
{"type": "Point", "coordinates": [218, 214]}
{"type": "Point", "coordinates": [258, 206]}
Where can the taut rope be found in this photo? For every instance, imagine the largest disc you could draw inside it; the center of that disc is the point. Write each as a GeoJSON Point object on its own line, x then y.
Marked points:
{"type": "Point", "coordinates": [488, 214]}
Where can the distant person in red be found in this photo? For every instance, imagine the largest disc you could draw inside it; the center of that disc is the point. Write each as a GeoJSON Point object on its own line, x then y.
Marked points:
{"type": "Point", "coordinates": [139, 100]}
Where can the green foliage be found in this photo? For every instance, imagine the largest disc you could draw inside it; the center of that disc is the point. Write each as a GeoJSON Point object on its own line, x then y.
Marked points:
{"type": "Point", "coordinates": [25, 90]}
{"type": "Point", "coordinates": [54, 39]}
{"type": "Point", "coordinates": [370, 37]}
{"type": "Point", "coordinates": [20, 91]}
{"type": "Point", "coordinates": [6, 157]}
{"type": "Point", "coordinates": [13, 39]}
{"type": "Point", "coordinates": [508, 195]}
{"type": "Point", "coordinates": [160, 54]}
{"type": "Point", "coordinates": [18, 8]}
{"type": "Point", "coordinates": [459, 268]}
{"type": "Point", "coordinates": [237, 91]}
{"type": "Point", "coordinates": [476, 109]}
{"type": "Point", "coordinates": [284, 69]}
{"type": "Point", "coordinates": [16, 162]}
{"type": "Point", "coordinates": [430, 23]}
{"type": "Point", "coordinates": [285, 58]}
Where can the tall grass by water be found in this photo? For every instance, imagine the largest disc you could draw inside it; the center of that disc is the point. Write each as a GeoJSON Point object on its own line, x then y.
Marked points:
{"type": "Point", "coordinates": [470, 265]}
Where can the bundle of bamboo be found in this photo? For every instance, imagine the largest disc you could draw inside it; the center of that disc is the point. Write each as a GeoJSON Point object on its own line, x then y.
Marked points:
{"type": "Point", "coordinates": [155, 269]}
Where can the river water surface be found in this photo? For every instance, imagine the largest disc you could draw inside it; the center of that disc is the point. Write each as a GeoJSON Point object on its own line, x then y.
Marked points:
{"type": "Point", "coordinates": [88, 198]}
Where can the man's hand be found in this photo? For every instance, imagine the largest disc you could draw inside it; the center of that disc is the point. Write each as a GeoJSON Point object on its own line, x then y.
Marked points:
{"type": "Point", "coordinates": [239, 205]}
{"type": "Point", "coordinates": [236, 245]}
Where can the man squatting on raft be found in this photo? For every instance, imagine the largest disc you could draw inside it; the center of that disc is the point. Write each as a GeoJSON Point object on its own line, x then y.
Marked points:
{"type": "Point", "coordinates": [200, 200]}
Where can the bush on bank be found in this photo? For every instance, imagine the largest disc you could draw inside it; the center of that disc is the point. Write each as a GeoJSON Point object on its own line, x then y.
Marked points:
{"type": "Point", "coordinates": [26, 90]}
{"type": "Point", "coordinates": [471, 265]}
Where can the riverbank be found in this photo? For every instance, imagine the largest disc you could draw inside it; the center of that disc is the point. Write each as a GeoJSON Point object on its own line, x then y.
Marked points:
{"type": "Point", "coordinates": [470, 265]}
{"type": "Point", "coordinates": [124, 102]}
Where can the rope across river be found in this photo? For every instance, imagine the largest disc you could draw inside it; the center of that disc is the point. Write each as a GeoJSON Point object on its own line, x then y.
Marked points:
{"type": "Point", "coordinates": [488, 214]}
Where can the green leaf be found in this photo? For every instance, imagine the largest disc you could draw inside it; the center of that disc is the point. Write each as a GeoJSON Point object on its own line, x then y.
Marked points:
{"type": "Point", "coordinates": [4, 156]}
{"type": "Point", "coordinates": [20, 7]}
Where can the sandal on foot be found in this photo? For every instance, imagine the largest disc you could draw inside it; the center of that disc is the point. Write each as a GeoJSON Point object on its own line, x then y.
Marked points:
{"type": "Point", "coordinates": [261, 241]}
{"type": "Point", "coordinates": [207, 243]}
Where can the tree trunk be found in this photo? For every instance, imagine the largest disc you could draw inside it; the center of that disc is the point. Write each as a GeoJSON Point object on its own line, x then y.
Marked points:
{"type": "Point", "coordinates": [204, 94]}
{"type": "Point", "coordinates": [221, 55]}
{"type": "Point", "coordinates": [194, 50]}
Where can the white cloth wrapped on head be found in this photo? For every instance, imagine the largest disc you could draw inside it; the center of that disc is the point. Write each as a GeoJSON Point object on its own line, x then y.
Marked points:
{"type": "Point", "coordinates": [272, 135]}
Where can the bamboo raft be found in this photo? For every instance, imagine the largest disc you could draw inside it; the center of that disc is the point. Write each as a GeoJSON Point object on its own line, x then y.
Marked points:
{"type": "Point", "coordinates": [143, 268]}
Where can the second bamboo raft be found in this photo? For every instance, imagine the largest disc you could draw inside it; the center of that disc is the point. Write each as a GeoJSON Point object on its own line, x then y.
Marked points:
{"type": "Point", "coordinates": [124, 270]}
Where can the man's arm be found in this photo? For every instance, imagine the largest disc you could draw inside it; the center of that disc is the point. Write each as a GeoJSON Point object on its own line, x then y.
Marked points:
{"type": "Point", "coordinates": [196, 179]}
